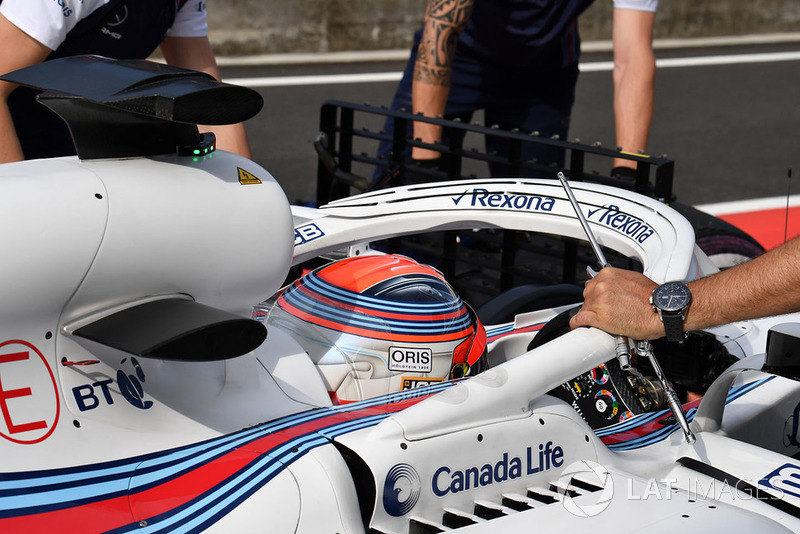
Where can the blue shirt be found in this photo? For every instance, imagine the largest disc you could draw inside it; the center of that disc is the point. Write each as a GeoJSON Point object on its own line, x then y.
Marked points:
{"type": "Point", "coordinates": [526, 34]}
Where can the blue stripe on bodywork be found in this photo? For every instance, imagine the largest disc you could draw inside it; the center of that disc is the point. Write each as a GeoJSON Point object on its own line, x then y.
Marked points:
{"type": "Point", "coordinates": [661, 434]}
{"type": "Point", "coordinates": [36, 492]}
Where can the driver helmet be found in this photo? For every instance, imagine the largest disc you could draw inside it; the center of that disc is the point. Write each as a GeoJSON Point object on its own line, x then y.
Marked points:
{"type": "Point", "coordinates": [375, 325]}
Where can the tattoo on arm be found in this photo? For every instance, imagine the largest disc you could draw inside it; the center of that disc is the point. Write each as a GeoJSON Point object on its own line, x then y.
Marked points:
{"type": "Point", "coordinates": [444, 21]}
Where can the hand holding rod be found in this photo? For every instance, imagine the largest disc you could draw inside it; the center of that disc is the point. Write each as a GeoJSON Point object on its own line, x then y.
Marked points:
{"type": "Point", "coordinates": [621, 343]}
{"type": "Point", "coordinates": [643, 348]}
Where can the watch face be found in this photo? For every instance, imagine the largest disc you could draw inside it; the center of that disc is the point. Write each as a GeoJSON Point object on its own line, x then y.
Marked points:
{"type": "Point", "coordinates": [672, 296]}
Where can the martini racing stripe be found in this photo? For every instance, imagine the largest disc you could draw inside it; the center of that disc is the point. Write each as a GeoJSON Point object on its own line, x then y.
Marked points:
{"type": "Point", "coordinates": [378, 331]}
{"type": "Point", "coordinates": [436, 323]}
{"type": "Point", "coordinates": [501, 331]}
{"type": "Point", "coordinates": [222, 473]}
{"type": "Point", "coordinates": [653, 436]}
{"type": "Point", "coordinates": [737, 392]}
{"type": "Point", "coordinates": [301, 295]}
{"type": "Point", "coordinates": [171, 464]}
{"type": "Point", "coordinates": [50, 498]}
{"type": "Point", "coordinates": [201, 513]}
{"type": "Point", "coordinates": [631, 423]}
{"type": "Point", "coordinates": [205, 510]}
{"type": "Point", "coordinates": [649, 428]}
{"type": "Point", "coordinates": [315, 288]}
{"type": "Point", "coordinates": [326, 289]}
{"type": "Point", "coordinates": [421, 325]}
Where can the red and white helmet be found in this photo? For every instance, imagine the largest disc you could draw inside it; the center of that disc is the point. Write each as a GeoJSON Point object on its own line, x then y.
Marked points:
{"type": "Point", "coordinates": [375, 325]}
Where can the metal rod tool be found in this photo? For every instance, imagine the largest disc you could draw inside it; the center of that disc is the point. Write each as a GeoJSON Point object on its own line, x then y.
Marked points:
{"type": "Point", "coordinates": [643, 348]}
{"type": "Point", "coordinates": [622, 346]}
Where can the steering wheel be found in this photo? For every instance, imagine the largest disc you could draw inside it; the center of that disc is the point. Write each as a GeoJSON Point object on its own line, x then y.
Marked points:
{"type": "Point", "coordinates": [555, 327]}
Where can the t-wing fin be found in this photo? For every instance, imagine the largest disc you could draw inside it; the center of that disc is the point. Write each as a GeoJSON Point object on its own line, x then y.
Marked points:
{"type": "Point", "coordinates": [125, 108]}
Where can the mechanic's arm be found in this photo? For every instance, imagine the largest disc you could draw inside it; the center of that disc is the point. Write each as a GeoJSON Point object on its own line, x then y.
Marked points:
{"type": "Point", "coordinates": [617, 300]}
{"type": "Point", "coordinates": [195, 53]}
{"type": "Point", "coordinates": [634, 79]}
{"type": "Point", "coordinates": [20, 50]}
{"type": "Point", "coordinates": [444, 21]}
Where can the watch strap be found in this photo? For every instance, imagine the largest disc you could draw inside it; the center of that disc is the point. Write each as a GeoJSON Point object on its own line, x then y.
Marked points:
{"type": "Point", "coordinates": [673, 326]}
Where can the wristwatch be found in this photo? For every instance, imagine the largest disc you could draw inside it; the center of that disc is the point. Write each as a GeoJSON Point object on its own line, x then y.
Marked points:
{"type": "Point", "coordinates": [671, 300]}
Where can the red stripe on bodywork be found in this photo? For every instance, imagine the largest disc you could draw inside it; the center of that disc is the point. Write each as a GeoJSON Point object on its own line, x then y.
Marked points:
{"type": "Point", "coordinates": [117, 512]}
{"type": "Point", "coordinates": [647, 428]}
{"type": "Point", "coordinates": [94, 517]}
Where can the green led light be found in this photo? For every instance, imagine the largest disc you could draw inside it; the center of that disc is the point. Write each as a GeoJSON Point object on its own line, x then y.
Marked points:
{"type": "Point", "coordinates": [196, 152]}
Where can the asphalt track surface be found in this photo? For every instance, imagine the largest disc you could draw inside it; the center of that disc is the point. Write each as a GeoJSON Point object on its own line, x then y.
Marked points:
{"type": "Point", "coordinates": [728, 115]}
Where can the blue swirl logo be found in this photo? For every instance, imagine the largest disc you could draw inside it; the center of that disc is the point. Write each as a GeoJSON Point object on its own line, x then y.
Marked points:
{"type": "Point", "coordinates": [130, 385]}
{"type": "Point", "coordinates": [401, 490]}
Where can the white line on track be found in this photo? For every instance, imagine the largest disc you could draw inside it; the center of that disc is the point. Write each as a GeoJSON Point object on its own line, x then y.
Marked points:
{"type": "Point", "coordinates": [598, 66]}
{"type": "Point", "coordinates": [758, 204]}
{"type": "Point", "coordinates": [320, 79]}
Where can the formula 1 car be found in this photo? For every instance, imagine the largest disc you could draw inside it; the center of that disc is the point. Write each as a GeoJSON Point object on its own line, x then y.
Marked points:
{"type": "Point", "coordinates": [156, 374]}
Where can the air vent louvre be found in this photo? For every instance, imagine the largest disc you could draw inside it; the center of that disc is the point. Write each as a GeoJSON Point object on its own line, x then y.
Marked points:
{"type": "Point", "coordinates": [585, 486]}
{"type": "Point", "coordinates": [487, 512]}
{"type": "Point", "coordinates": [418, 526]}
{"type": "Point", "coordinates": [453, 519]}
{"type": "Point", "coordinates": [569, 491]}
{"type": "Point", "coordinates": [542, 497]}
{"type": "Point", "coordinates": [518, 505]}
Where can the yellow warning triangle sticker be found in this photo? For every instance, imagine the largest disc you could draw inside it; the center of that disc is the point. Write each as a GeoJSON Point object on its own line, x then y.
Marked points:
{"type": "Point", "coordinates": [247, 178]}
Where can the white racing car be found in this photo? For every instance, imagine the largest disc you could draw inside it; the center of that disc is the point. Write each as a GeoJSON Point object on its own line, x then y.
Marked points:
{"type": "Point", "coordinates": [139, 394]}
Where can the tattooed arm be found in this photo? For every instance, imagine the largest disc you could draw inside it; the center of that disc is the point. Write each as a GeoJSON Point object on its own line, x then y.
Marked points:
{"type": "Point", "coordinates": [444, 21]}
